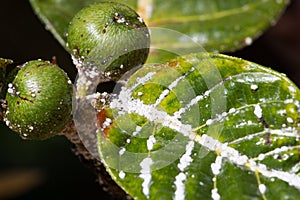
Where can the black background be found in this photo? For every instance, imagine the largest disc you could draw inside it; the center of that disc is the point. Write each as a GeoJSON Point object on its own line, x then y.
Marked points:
{"type": "Point", "coordinates": [58, 172]}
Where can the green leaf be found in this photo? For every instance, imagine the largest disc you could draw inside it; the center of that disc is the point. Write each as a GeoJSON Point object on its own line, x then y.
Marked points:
{"type": "Point", "coordinates": [215, 24]}
{"type": "Point", "coordinates": [204, 126]}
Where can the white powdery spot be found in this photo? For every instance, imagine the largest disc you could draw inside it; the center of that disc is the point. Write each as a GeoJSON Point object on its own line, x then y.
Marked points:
{"type": "Point", "coordinates": [248, 41]}
{"type": "Point", "coordinates": [231, 110]}
{"type": "Point", "coordinates": [216, 166]}
{"type": "Point", "coordinates": [150, 142]}
{"type": "Point", "coordinates": [185, 161]}
{"type": "Point", "coordinates": [143, 80]}
{"type": "Point", "coordinates": [33, 86]}
{"type": "Point", "coordinates": [122, 175]}
{"type": "Point", "coordinates": [261, 156]}
{"type": "Point", "coordinates": [258, 111]}
{"type": "Point", "coordinates": [175, 83]}
{"type": "Point", "coordinates": [215, 195]}
{"type": "Point", "coordinates": [167, 91]}
{"type": "Point", "coordinates": [291, 179]}
{"type": "Point", "coordinates": [180, 187]}
{"type": "Point", "coordinates": [254, 87]}
{"type": "Point", "coordinates": [122, 151]}
{"type": "Point", "coordinates": [137, 130]}
{"type": "Point", "coordinates": [292, 89]}
{"type": "Point", "coordinates": [146, 175]}
{"type": "Point", "coordinates": [262, 188]}
{"type": "Point", "coordinates": [162, 96]}
{"type": "Point", "coordinates": [140, 19]}
{"type": "Point", "coordinates": [125, 103]}
{"type": "Point", "coordinates": [209, 122]}
{"type": "Point", "coordinates": [289, 120]}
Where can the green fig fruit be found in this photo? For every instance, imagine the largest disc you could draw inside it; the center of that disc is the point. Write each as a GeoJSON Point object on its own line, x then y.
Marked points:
{"type": "Point", "coordinates": [110, 35]}
{"type": "Point", "coordinates": [39, 100]}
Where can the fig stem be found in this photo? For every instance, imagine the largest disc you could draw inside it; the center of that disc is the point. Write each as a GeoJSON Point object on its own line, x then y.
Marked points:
{"type": "Point", "coordinates": [4, 63]}
{"type": "Point", "coordinates": [93, 163]}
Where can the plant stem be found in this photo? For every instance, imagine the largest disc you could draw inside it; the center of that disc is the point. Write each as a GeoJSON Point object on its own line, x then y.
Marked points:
{"type": "Point", "coordinates": [93, 163]}
{"type": "Point", "coordinates": [3, 82]}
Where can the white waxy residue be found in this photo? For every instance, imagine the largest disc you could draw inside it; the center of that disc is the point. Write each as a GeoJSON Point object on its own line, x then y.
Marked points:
{"type": "Point", "coordinates": [209, 122]}
{"type": "Point", "coordinates": [258, 111]}
{"type": "Point", "coordinates": [217, 165]}
{"type": "Point", "coordinates": [215, 195]}
{"type": "Point", "coordinates": [186, 158]}
{"type": "Point", "coordinates": [180, 187]}
{"type": "Point", "coordinates": [254, 87]}
{"type": "Point", "coordinates": [185, 161]}
{"type": "Point", "coordinates": [122, 151]}
{"type": "Point", "coordinates": [146, 175]}
{"type": "Point", "coordinates": [143, 80]}
{"type": "Point", "coordinates": [150, 142]}
{"type": "Point", "coordinates": [231, 110]}
{"type": "Point", "coordinates": [262, 188]}
{"type": "Point", "coordinates": [122, 175]}
{"type": "Point", "coordinates": [292, 89]}
{"type": "Point", "coordinates": [137, 130]}
{"type": "Point", "coordinates": [289, 120]}
{"type": "Point", "coordinates": [248, 40]}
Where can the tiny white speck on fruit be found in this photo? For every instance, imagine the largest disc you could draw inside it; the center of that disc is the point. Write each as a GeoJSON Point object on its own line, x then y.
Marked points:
{"type": "Point", "coordinates": [7, 123]}
{"type": "Point", "coordinates": [10, 91]}
{"type": "Point", "coordinates": [248, 41]}
{"type": "Point", "coordinates": [140, 19]}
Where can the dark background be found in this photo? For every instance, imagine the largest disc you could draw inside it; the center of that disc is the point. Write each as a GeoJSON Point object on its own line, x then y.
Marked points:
{"type": "Point", "coordinates": [48, 169]}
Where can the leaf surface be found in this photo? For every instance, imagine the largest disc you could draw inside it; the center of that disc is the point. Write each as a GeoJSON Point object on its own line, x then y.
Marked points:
{"type": "Point", "coordinates": [204, 126]}
{"type": "Point", "coordinates": [217, 25]}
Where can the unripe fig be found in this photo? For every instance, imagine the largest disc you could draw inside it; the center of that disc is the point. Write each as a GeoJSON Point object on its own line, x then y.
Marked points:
{"type": "Point", "coordinates": [111, 35]}
{"type": "Point", "coordinates": [39, 100]}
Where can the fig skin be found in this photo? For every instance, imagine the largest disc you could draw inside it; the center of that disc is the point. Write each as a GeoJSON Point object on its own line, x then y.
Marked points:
{"type": "Point", "coordinates": [110, 35]}
{"type": "Point", "coordinates": [39, 101]}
